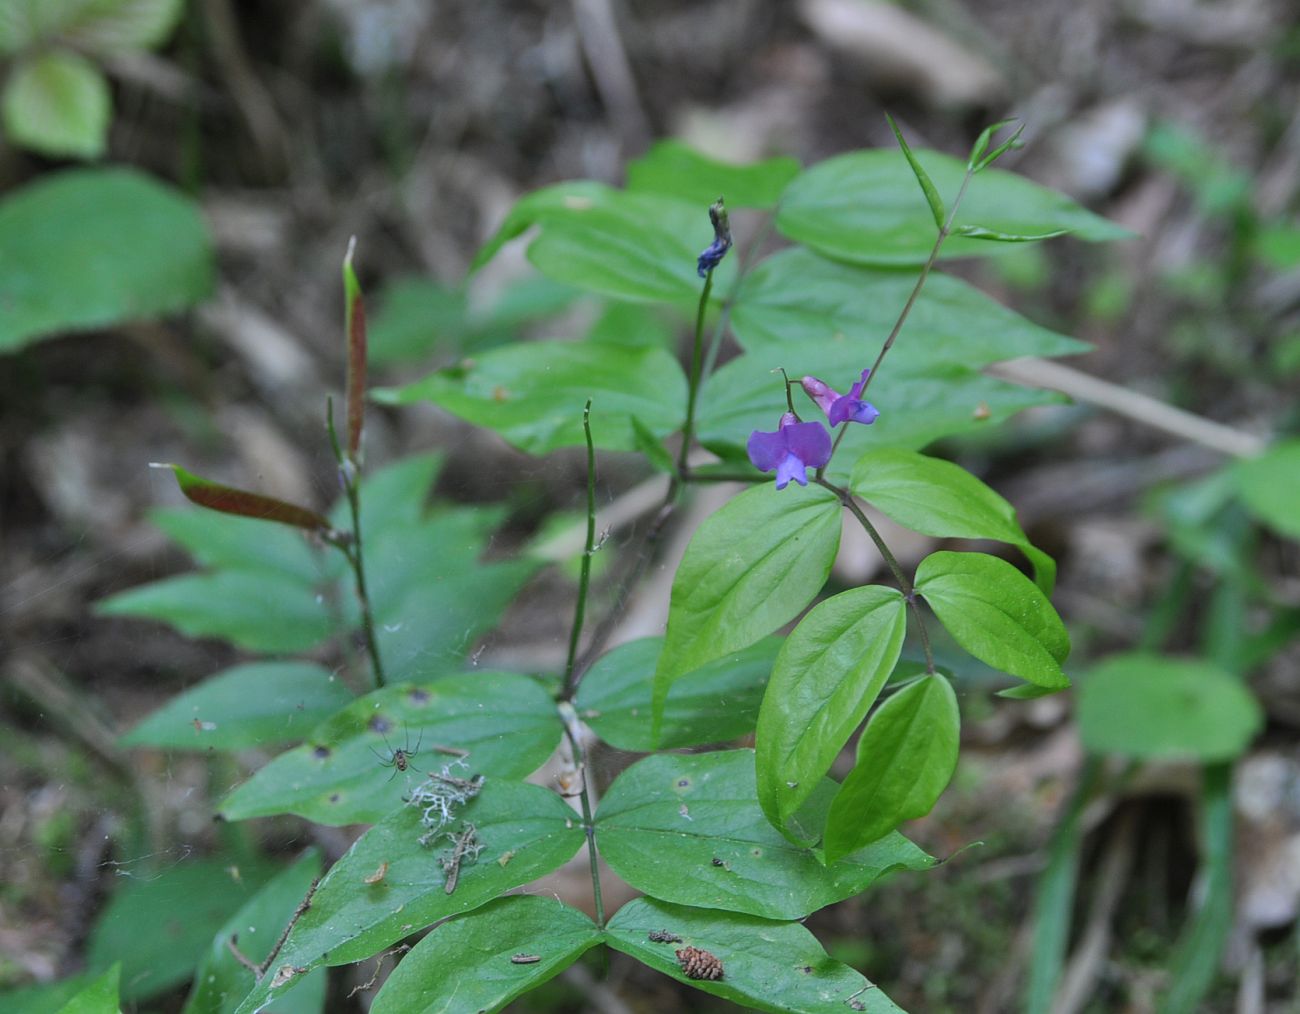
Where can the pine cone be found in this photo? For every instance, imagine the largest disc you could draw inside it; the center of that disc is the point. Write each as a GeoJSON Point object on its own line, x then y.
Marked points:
{"type": "Point", "coordinates": [698, 964]}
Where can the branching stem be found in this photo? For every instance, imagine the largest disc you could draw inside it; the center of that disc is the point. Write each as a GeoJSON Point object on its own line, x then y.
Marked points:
{"type": "Point", "coordinates": [891, 561]}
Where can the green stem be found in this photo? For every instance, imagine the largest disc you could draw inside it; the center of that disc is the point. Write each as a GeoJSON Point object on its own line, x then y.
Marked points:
{"type": "Point", "coordinates": [573, 730]}
{"type": "Point", "coordinates": [354, 555]}
{"type": "Point", "coordinates": [693, 390]}
{"type": "Point", "coordinates": [891, 561]}
{"type": "Point", "coordinates": [944, 232]}
{"type": "Point", "coordinates": [571, 670]}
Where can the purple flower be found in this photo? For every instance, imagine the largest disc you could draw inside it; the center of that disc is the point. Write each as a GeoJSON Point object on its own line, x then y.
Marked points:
{"type": "Point", "coordinates": [791, 450]}
{"type": "Point", "coordinates": [715, 251]}
{"type": "Point", "coordinates": [841, 407]}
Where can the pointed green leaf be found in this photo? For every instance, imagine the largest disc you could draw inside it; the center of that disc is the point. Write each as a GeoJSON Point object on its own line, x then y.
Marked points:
{"type": "Point", "coordinates": [120, 26]}
{"type": "Point", "coordinates": [258, 704]}
{"type": "Point", "coordinates": [932, 197]}
{"type": "Point", "coordinates": [673, 168]}
{"type": "Point", "coordinates": [533, 393]}
{"type": "Point", "coordinates": [1146, 706]}
{"type": "Point", "coordinates": [226, 541]}
{"type": "Point", "coordinates": [864, 207]}
{"type": "Point", "coordinates": [100, 996]}
{"type": "Point", "coordinates": [160, 922]}
{"type": "Point", "coordinates": [999, 236]}
{"type": "Point", "coordinates": [981, 144]}
{"type": "Point", "coordinates": [714, 704]}
{"type": "Point", "coordinates": [752, 566]}
{"type": "Point", "coordinates": [1270, 487]}
{"type": "Point", "coordinates": [539, 206]}
{"type": "Point", "coordinates": [255, 610]}
{"type": "Point", "coordinates": [466, 964]}
{"type": "Point", "coordinates": [939, 498]}
{"type": "Point", "coordinates": [1011, 142]}
{"type": "Point", "coordinates": [652, 447]}
{"type": "Point", "coordinates": [829, 673]}
{"type": "Point", "coordinates": [221, 982]}
{"type": "Point", "coordinates": [768, 966]}
{"type": "Point", "coordinates": [905, 759]}
{"type": "Point", "coordinates": [343, 774]}
{"type": "Point", "coordinates": [57, 103]}
{"type": "Point", "coordinates": [687, 828]}
{"type": "Point", "coordinates": [997, 614]}
{"type": "Point", "coordinates": [389, 886]}
{"type": "Point", "coordinates": [795, 302]}
{"type": "Point", "coordinates": [89, 248]}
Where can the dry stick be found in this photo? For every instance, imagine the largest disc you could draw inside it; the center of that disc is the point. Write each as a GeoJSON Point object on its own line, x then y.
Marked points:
{"type": "Point", "coordinates": [904, 582]}
{"type": "Point", "coordinates": [464, 841]}
{"type": "Point", "coordinates": [260, 970]}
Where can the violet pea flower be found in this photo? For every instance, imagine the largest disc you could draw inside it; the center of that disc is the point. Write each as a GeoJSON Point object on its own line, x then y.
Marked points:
{"type": "Point", "coordinates": [841, 407]}
{"type": "Point", "coordinates": [715, 251]}
{"type": "Point", "coordinates": [793, 449]}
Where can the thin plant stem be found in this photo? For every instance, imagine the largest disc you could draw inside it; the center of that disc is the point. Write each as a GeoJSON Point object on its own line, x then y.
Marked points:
{"type": "Point", "coordinates": [571, 671]}
{"type": "Point", "coordinates": [573, 730]}
{"type": "Point", "coordinates": [944, 232]}
{"type": "Point", "coordinates": [354, 555]}
{"type": "Point", "coordinates": [891, 561]}
{"type": "Point", "coordinates": [693, 390]}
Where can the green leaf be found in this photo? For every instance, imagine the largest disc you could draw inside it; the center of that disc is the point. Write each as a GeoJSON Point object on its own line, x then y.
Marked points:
{"type": "Point", "coordinates": [539, 206]}
{"type": "Point", "coordinates": [506, 722]}
{"type": "Point", "coordinates": [250, 705]}
{"type": "Point", "coordinates": [752, 566]}
{"type": "Point", "coordinates": [864, 207]}
{"type": "Point", "coordinates": [389, 886]}
{"type": "Point", "coordinates": [1148, 706]}
{"type": "Point", "coordinates": [258, 611]}
{"type": "Point", "coordinates": [633, 246]}
{"type": "Point", "coordinates": [794, 302]}
{"type": "Point", "coordinates": [916, 408]}
{"type": "Point", "coordinates": [533, 393]}
{"type": "Point", "coordinates": [687, 828]}
{"type": "Point", "coordinates": [906, 757]}
{"type": "Point", "coordinates": [465, 964]}
{"type": "Point", "coordinates": [57, 103]}
{"type": "Point", "coordinates": [1011, 142]}
{"type": "Point", "coordinates": [222, 982]}
{"type": "Point", "coordinates": [928, 190]}
{"type": "Point", "coordinates": [714, 704]}
{"type": "Point", "coordinates": [90, 248]}
{"type": "Point", "coordinates": [829, 673]}
{"type": "Point", "coordinates": [1270, 487]}
{"type": "Point", "coordinates": [673, 168]}
{"type": "Point", "coordinates": [767, 966]}
{"type": "Point", "coordinates": [100, 996]}
{"type": "Point", "coordinates": [652, 447]}
{"type": "Point", "coordinates": [997, 236]}
{"type": "Point", "coordinates": [981, 144]}
{"type": "Point", "coordinates": [942, 499]}
{"type": "Point", "coordinates": [432, 593]}
{"type": "Point", "coordinates": [226, 541]}
{"type": "Point", "coordinates": [159, 923]}
{"type": "Point", "coordinates": [116, 26]}
{"type": "Point", "coordinates": [997, 614]}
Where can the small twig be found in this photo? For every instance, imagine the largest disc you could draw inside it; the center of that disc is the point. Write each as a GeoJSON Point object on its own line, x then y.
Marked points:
{"type": "Point", "coordinates": [1131, 404]}
{"type": "Point", "coordinates": [464, 843]}
{"type": "Point", "coordinates": [453, 751]}
{"type": "Point", "coordinates": [299, 912]}
{"type": "Point", "coordinates": [571, 673]}
{"type": "Point", "coordinates": [232, 944]}
{"type": "Point", "coordinates": [379, 967]}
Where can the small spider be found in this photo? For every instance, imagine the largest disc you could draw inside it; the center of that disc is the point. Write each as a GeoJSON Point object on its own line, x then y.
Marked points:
{"type": "Point", "coordinates": [399, 759]}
